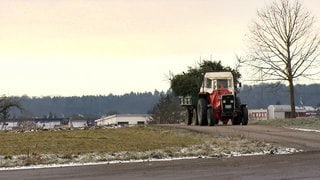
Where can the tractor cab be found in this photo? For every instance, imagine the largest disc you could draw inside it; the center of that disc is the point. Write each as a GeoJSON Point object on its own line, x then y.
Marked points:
{"type": "Point", "coordinates": [217, 81]}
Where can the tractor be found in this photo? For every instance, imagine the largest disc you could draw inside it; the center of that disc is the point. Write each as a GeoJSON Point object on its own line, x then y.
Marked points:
{"type": "Point", "coordinates": [216, 102]}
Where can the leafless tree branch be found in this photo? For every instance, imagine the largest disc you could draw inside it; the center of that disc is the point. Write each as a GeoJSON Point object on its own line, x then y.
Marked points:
{"type": "Point", "coordinates": [284, 44]}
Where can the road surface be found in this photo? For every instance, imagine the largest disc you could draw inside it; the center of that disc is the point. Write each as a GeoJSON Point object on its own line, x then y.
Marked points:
{"type": "Point", "coordinates": [304, 165]}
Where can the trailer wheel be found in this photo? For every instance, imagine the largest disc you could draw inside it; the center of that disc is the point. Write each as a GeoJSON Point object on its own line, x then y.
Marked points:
{"type": "Point", "coordinates": [210, 118]}
{"type": "Point", "coordinates": [245, 116]}
{"type": "Point", "coordinates": [202, 111]}
{"type": "Point", "coordinates": [189, 116]}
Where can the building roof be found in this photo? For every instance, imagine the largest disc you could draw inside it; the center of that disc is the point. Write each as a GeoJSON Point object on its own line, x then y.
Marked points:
{"type": "Point", "coordinates": [284, 107]}
{"type": "Point", "coordinates": [122, 115]}
{"type": "Point", "coordinates": [309, 108]}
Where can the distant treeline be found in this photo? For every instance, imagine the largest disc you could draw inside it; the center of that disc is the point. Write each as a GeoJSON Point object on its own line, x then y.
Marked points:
{"type": "Point", "coordinates": [256, 96]}
{"type": "Point", "coordinates": [89, 106]}
{"type": "Point", "coordinates": [262, 95]}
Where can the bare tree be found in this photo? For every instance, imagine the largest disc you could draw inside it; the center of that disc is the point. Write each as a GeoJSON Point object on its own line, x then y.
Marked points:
{"type": "Point", "coordinates": [6, 103]}
{"type": "Point", "coordinates": [284, 45]}
{"type": "Point", "coordinates": [167, 110]}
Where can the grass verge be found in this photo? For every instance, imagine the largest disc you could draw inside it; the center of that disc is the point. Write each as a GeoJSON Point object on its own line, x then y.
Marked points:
{"type": "Point", "coordinates": [138, 138]}
{"type": "Point", "coordinates": [140, 142]}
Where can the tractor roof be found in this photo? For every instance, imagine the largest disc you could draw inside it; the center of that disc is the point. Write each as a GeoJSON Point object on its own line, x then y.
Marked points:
{"type": "Point", "coordinates": [218, 75]}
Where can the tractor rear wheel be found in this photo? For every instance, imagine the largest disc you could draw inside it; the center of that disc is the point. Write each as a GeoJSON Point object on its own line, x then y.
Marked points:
{"type": "Point", "coordinates": [202, 111]}
{"type": "Point", "coordinates": [194, 117]}
{"type": "Point", "coordinates": [210, 117]}
{"type": "Point", "coordinates": [245, 116]}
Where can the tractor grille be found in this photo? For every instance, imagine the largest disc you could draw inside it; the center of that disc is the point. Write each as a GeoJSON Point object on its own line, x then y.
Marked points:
{"type": "Point", "coordinates": [227, 102]}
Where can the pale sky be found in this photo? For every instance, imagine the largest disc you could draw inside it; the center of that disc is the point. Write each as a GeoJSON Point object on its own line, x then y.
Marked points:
{"type": "Point", "coordinates": [98, 47]}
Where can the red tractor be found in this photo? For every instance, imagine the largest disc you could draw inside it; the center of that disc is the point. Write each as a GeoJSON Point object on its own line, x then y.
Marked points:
{"type": "Point", "coordinates": [216, 101]}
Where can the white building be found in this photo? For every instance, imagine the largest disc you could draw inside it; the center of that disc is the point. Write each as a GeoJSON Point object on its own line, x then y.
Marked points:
{"type": "Point", "coordinates": [310, 111]}
{"type": "Point", "coordinates": [284, 111]}
{"type": "Point", "coordinates": [79, 123]}
{"type": "Point", "coordinates": [43, 123]}
{"type": "Point", "coordinates": [9, 125]}
{"type": "Point", "coordinates": [258, 114]}
{"type": "Point", "coordinates": [48, 124]}
{"type": "Point", "coordinates": [123, 119]}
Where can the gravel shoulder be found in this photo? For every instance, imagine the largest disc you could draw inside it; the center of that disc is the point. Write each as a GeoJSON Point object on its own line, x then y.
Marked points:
{"type": "Point", "coordinates": [302, 140]}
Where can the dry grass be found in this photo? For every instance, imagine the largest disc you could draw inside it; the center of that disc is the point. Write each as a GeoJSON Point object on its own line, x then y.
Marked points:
{"type": "Point", "coordinates": [141, 142]}
{"type": "Point", "coordinates": [138, 138]}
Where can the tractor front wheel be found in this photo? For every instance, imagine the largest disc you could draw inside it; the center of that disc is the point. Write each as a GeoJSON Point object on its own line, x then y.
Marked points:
{"type": "Point", "coordinates": [245, 116]}
{"type": "Point", "coordinates": [202, 111]}
{"type": "Point", "coordinates": [237, 120]}
{"type": "Point", "coordinates": [210, 117]}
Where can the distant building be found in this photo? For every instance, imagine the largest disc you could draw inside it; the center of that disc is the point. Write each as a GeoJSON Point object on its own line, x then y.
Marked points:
{"type": "Point", "coordinates": [43, 123]}
{"type": "Point", "coordinates": [123, 120]}
{"type": "Point", "coordinates": [10, 124]}
{"type": "Point", "coordinates": [280, 112]}
{"type": "Point", "coordinates": [284, 111]}
{"type": "Point", "coordinates": [310, 111]}
{"type": "Point", "coordinates": [80, 123]}
{"type": "Point", "coordinates": [258, 114]}
{"type": "Point", "coordinates": [47, 123]}
{"type": "Point", "coordinates": [61, 122]}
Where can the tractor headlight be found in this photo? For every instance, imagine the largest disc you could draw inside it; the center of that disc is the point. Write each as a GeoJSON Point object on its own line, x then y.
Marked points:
{"type": "Point", "coordinates": [224, 101]}
{"type": "Point", "coordinates": [231, 101]}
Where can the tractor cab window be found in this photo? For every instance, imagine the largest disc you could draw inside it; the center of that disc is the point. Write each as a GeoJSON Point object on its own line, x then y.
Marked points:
{"type": "Point", "coordinates": [214, 84]}
{"type": "Point", "coordinates": [222, 83]}
{"type": "Point", "coordinates": [209, 83]}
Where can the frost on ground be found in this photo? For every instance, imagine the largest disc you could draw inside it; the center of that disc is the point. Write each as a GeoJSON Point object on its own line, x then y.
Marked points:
{"type": "Point", "coordinates": [214, 148]}
{"type": "Point", "coordinates": [307, 130]}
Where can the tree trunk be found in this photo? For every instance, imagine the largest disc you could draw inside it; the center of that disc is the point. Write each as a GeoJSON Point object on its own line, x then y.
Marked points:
{"type": "Point", "coordinates": [292, 101]}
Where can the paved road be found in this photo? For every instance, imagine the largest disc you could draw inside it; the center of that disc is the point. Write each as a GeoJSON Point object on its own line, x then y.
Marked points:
{"type": "Point", "coordinates": [305, 165]}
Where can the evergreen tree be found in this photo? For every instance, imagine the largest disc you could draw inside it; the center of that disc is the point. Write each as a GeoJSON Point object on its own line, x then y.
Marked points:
{"type": "Point", "coordinates": [190, 82]}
